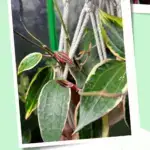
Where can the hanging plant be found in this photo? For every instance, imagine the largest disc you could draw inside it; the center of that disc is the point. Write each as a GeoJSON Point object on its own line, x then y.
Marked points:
{"type": "Point", "coordinates": [76, 94]}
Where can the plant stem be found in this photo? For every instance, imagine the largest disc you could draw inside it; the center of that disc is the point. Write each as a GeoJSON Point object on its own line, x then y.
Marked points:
{"type": "Point", "coordinates": [76, 135]}
{"type": "Point", "coordinates": [21, 14]}
{"type": "Point", "coordinates": [52, 25]}
{"type": "Point", "coordinates": [28, 40]}
{"type": "Point", "coordinates": [47, 56]}
{"type": "Point", "coordinates": [36, 39]}
{"type": "Point", "coordinates": [43, 47]}
{"type": "Point", "coordinates": [105, 126]}
{"type": "Point", "coordinates": [102, 94]}
{"type": "Point", "coordinates": [62, 22]}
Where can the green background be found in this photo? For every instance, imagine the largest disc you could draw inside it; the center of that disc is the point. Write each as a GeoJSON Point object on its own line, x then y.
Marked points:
{"type": "Point", "coordinates": [8, 119]}
{"type": "Point", "coordinates": [8, 123]}
{"type": "Point", "coordinates": [141, 31]}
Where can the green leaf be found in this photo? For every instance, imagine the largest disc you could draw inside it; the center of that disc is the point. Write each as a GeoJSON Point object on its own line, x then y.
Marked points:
{"type": "Point", "coordinates": [26, 137]}
{"type": "Point", "coordinates": [92, 130]}
{"type": "Point", "coordinates": [93, 57]}
{"type": "Point", "coordinates": [29, 62]}
{"type": "Point", "coordinates": [116, 114]}
{"type": "Point", "coordinates": [112, 32]}
{"type": "Point", "coordinates": [79, 76]}
{"type": "Point", "coordinates": [30, 124]}
{"type": "Point", "coordinates": [109, 76]}
{"type": "Point", "coordinates": [22, 86]}
{"type": "Point", "coordinates": [88, 37]}
{"type": "Point", "coordinates": [39, 80]}
{"type": "Point", "coordinates": [52, 109]}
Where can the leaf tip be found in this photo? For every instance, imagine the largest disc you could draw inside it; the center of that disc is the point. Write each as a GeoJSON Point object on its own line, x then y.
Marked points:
{"type": "Point", "coordinates": [27, 115]}
{"type": "Point", "coordinates": [78, 128]}
{"type": "Point", "coordinates": [19, 72]}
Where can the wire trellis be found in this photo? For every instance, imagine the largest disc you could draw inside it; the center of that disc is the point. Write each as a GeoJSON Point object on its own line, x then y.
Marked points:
{"type": "Point", "coordinates": [89, 13]}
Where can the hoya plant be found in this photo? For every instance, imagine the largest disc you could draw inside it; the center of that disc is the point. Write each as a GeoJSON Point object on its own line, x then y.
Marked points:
{"type": "Point", "coordinates": [81, 90]}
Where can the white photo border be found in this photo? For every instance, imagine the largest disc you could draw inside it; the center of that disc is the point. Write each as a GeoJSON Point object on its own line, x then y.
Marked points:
{"type": "Point", "coordinates": [141, 8]}
{"type": "Point", "coordinates": [130, 66]}
{"type": "Point", "coordinates": [133, 103]}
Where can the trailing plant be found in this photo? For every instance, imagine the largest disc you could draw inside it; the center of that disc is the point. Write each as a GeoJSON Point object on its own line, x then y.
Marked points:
{"type": "Point", "coordinates": [76, 94]}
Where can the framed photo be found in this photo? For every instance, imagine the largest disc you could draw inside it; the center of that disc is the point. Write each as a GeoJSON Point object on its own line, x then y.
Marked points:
{"type": "Point", "coordinates": [74, 71]}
